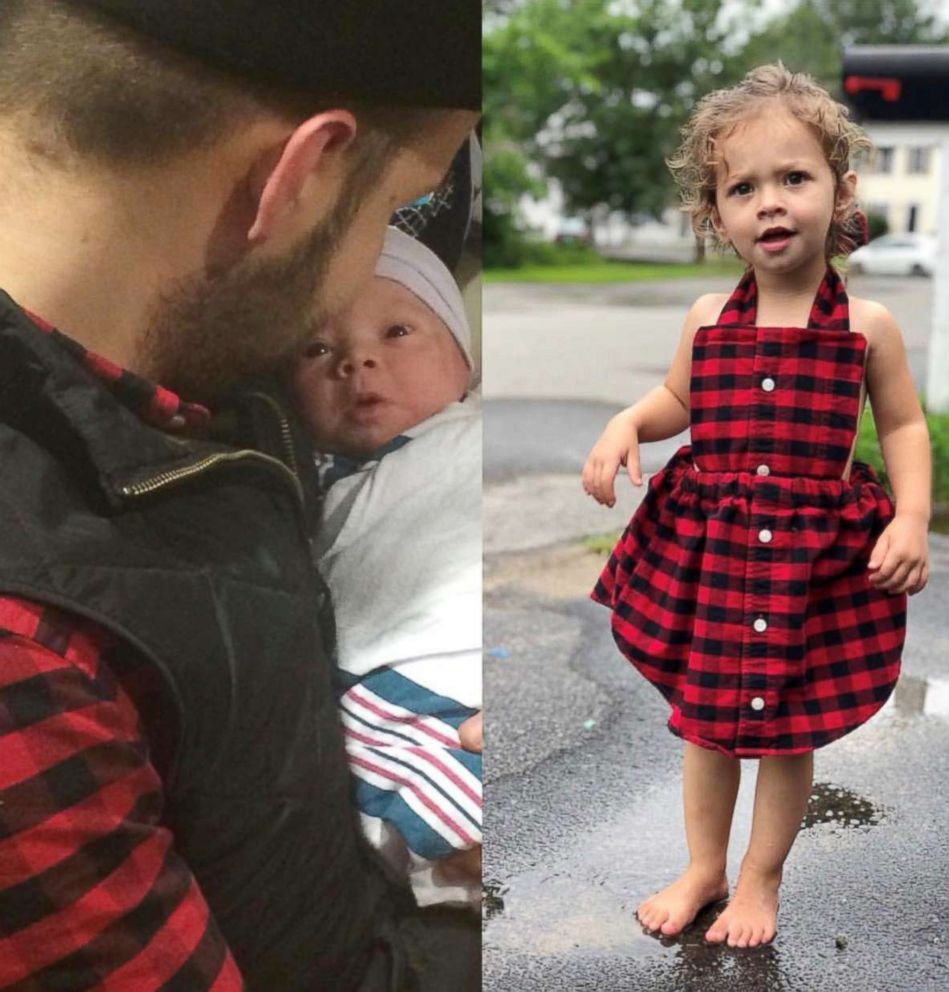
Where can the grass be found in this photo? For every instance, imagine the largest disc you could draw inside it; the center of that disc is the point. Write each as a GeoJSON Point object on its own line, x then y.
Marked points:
{"type": "Point", "coordinates": [868, 450]}
{"type": "Point", "coordinates": [607, 271]}
{"type": "Point", "coordinates": [602, 544]}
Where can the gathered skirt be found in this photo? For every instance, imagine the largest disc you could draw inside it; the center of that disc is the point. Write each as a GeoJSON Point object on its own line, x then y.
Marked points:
{"type": "Point", "coordinates": [745, 600]}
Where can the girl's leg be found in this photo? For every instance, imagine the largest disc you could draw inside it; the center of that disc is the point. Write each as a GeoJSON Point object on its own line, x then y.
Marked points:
{"type": "Point", "coordinates": [709, 787]}
{"type": "Point", "coordinates": [784, 785]}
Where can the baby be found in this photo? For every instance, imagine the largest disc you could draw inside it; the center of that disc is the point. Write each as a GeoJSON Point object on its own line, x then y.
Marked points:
{"type": "Point", "coordinates": [385, 392]}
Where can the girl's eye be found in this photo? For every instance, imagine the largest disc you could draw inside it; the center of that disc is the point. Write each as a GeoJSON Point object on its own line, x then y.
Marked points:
{"type": "Point", "coordinates": [796, 178]}
{"type": "Point", "coordinates": [316, 350]}
{"type": "Point", "coordinates": [397, 331]}
{"type": "Point", "coordinates": [740, 189]}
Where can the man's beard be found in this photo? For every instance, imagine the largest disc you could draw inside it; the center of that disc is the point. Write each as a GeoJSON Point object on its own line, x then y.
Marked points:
{"type": "Point", "coordinates": [207, 334]}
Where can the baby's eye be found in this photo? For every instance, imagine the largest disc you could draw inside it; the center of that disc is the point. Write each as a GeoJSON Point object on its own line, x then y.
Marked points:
{"type": "Point", "coordinates": [740, 189]}
{"type": "Point", "coordinates": [316, 349]}
{"type": "Point", "coordinates": [796, 178]}
{"type": "Point", "coordinates": [397, 331]}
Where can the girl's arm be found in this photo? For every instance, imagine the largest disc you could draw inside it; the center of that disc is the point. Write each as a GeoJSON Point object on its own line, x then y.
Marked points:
{"type": "Point", "coordinates": [900, 559]}
{"type": "Point", "coordinates": [663, 412]}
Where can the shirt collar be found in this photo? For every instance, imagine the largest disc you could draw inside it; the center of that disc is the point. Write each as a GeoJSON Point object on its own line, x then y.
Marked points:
{"type": "Point", "coordinates": [157, 406]}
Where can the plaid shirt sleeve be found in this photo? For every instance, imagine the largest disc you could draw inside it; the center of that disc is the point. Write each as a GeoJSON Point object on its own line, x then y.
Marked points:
{"type": "Point", "coordinates": [92, 893]}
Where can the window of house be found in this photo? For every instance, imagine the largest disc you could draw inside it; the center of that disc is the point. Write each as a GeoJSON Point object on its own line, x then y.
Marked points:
{"type": "Point", "coordinates": [919, 160]}
{"type": "Point", "coordinates": [884, 161]}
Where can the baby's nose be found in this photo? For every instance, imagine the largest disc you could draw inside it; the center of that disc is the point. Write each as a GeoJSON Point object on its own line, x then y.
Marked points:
{"type": "Point", "coordinates": [354, 361]}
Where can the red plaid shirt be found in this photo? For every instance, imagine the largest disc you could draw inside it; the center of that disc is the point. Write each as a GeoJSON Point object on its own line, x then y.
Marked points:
{"type": "Point", "coordinates": [92, 893]}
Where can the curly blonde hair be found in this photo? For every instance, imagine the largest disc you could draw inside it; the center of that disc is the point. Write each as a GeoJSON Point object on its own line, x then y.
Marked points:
{"type": "Point", "coordinates": [696, 161]}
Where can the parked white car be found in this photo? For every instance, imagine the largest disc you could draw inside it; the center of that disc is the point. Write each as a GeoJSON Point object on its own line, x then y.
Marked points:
{"type": "Point", "coordinates": [896, 255]}
{"type": "Point", "coordinates": [572, 231]}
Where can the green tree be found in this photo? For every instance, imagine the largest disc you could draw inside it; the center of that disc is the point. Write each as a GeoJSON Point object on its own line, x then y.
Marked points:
{"type": "Point", "coordinates": [507, 178]}
{"type": "Point", "coordinates": [650, 66]}
{"type": "Point", "coordinates": [803, 39]}
{"type": "Point", "coordinates": [810, 37]}
{"type": "Point", "coordinates": [535, 54]}
{"type": "Point", "coordinates": [882, 22]}
{"type": "Point", "coordinates": [592, 94]}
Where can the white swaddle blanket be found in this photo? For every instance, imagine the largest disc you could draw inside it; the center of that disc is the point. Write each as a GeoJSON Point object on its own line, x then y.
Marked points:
{"type": "Point", "coordinates": [400, 549]}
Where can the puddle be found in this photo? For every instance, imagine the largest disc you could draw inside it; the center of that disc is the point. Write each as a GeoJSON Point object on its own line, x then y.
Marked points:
{"type": "Point", "coordinates": [692, 940]}
{"type": "Point", "coordinates": [839, 807]}
{"type": "Point", "coordinates": [492, 898]}
{"type": "Point", "coordinates": [585, 901]}
{"type": "Point", "coordinates": [605, 933]}
{"type": "Point", "coordinates": [549, 913]}
{"type": "Point", "coordinates": [698, 965]}
{"type": "Point", "coordinates": [582, 906]}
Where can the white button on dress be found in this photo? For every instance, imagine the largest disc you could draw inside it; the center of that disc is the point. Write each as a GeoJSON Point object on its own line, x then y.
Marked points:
{"type": "Point", "coordinates": [765, 536]}
{"type": "Point", "coordinates": [763, 470]}
{"type": "Point", "coordinates": [760, 625]}
{"type": "Point", "coordinates": [757, 704]}
{"type": "Point", "coordinates": [768, 384]}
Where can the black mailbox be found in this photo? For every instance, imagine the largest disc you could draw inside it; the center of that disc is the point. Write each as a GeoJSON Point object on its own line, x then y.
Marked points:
{"type": "Point", "coordinates": [898, 82]}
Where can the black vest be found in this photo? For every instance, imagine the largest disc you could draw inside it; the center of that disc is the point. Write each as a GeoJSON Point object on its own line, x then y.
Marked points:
{"type": "Point", "coordinates": [195, 554]}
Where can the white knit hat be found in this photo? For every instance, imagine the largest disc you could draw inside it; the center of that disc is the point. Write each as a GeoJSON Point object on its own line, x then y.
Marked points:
{"type": "Point", "coordinates": [411, 264]}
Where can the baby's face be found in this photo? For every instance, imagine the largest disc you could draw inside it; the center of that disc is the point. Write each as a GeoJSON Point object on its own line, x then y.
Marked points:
{"type": "Point", "coordinates": [378, 368]}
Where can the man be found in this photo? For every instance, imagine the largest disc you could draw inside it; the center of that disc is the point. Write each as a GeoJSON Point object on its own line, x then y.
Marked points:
{"type": "Point", "coordinates": [178, 184]}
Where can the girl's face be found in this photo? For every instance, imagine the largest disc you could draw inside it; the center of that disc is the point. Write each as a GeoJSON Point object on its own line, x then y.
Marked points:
{"type": "Point", "coordinates": [776, 194]}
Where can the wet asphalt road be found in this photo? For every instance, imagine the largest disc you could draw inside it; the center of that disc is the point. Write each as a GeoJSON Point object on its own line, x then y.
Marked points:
{"type": "Point", "coordinates": [582, 779]}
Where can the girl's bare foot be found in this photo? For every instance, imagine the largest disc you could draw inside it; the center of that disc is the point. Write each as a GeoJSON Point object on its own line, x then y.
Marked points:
{"type": "Point", "coordinates": [676, 906]}
{"type": "Point", "coordinates": [750, 919]}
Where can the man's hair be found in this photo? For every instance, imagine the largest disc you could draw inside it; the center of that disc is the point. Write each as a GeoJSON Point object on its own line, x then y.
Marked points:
{"type": "Point", "coordinates": [695, 164]}
{"type": "Point", "coordinates": [104, 93]}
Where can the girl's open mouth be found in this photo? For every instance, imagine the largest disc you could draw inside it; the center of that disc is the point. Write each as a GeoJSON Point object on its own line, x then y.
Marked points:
{"type": "Point", "coordinates": [776, 238]}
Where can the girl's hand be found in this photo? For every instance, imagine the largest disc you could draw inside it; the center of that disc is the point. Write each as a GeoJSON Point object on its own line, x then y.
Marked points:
{"type": "Point", "coordinates": [618, 445]}
{"type": "Point", "coordinates": [900, 559]}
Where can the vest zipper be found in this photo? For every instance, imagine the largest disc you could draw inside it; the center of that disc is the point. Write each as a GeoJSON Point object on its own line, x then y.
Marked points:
{"type": "Point", "coordinates": [170, 478]}
{"type": "Point", "coordinates": [285, 435]}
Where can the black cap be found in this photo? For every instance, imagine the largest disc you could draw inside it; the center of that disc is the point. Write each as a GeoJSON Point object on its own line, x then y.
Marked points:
{"type": "Point", "coordinates": [424, 53]}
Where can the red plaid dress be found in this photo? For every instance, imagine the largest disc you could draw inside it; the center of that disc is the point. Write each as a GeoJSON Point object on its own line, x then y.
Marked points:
{"type": "Point", "coordinates": [740, 587]}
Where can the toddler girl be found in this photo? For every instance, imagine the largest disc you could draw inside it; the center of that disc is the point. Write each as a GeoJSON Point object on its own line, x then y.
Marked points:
{"type": "Point", "coordinates": [761, 584]}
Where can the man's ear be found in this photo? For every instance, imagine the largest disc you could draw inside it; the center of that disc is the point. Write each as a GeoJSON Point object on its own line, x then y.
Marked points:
{"type": "Point", "coordinates": [281, 176]}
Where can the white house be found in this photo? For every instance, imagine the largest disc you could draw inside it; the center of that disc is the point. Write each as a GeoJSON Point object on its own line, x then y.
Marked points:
{"type": "Point", "coordinates": [902, 183]}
